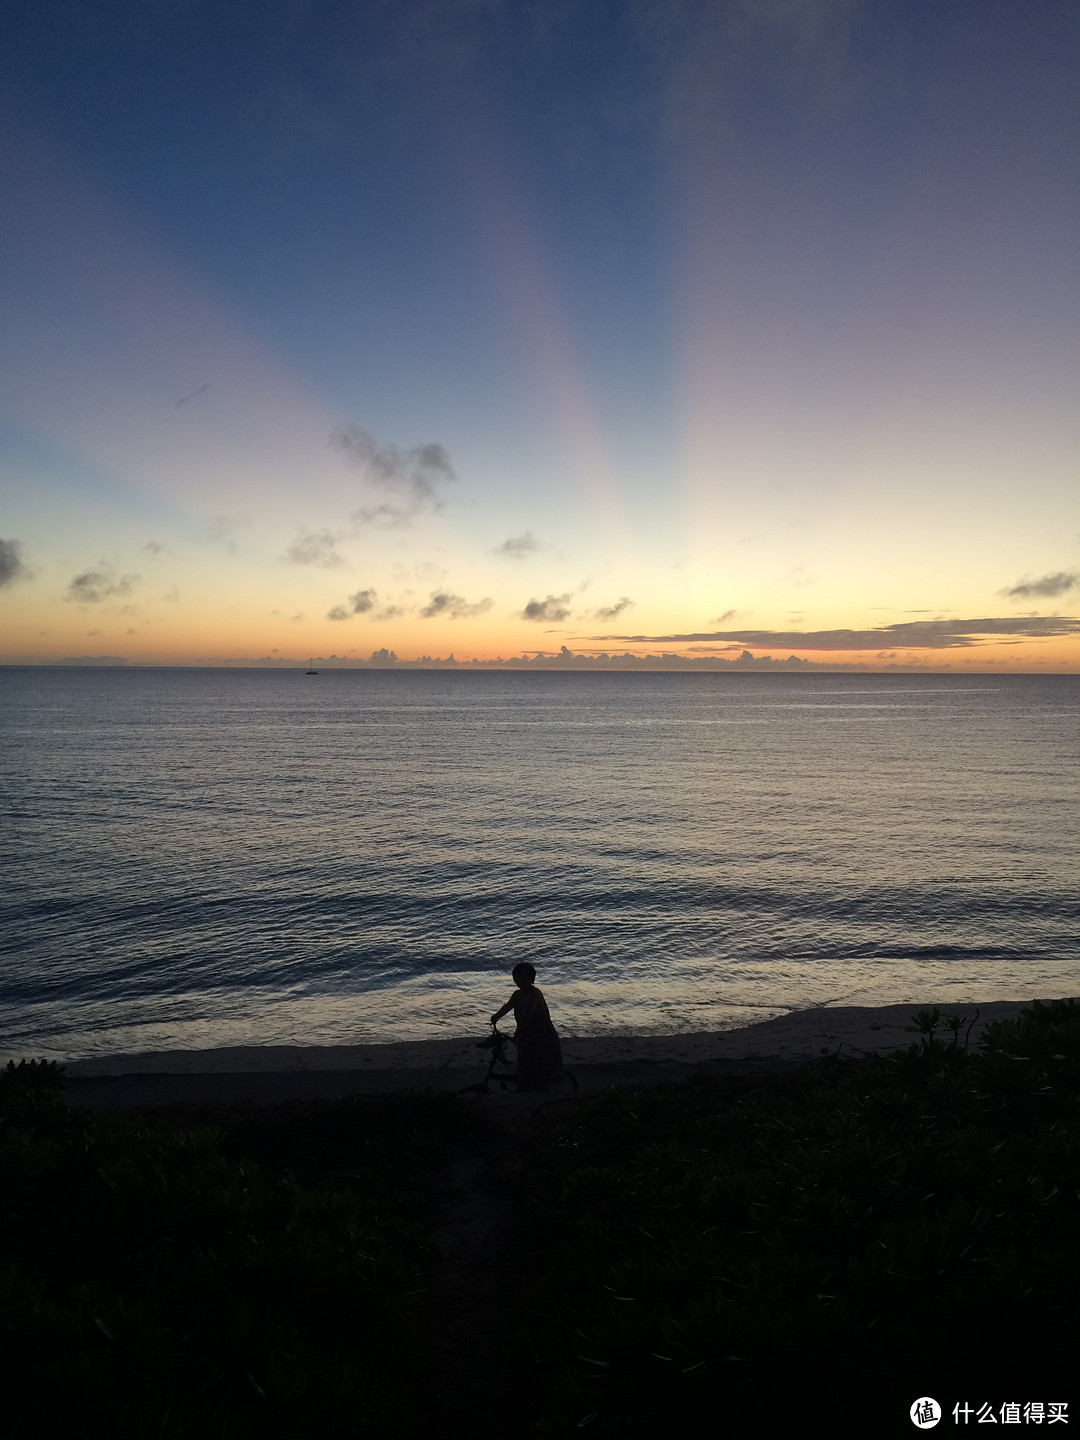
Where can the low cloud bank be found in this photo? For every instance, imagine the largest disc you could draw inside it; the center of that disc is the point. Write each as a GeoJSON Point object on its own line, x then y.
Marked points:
{"type": "Point", "coordinates": [566, 659]}
{"type": "Point", "coordinates": [905, 635]}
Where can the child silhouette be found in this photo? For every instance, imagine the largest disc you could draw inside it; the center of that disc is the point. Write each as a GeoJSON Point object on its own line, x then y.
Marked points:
{"type": "Point", "coordinates": [539, 1053]}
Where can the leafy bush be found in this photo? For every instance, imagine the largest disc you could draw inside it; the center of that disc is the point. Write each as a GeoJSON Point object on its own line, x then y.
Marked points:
{"type": "Point", "coordinates": [30, 1085]}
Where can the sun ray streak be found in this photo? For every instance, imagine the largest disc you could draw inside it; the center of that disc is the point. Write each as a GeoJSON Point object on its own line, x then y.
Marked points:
{"type": "Point", "coordinates": [532, 296]}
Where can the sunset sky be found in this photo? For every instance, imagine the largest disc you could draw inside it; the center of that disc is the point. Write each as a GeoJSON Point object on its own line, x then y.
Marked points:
{"type": "Point", "coordinates": [490, 327]}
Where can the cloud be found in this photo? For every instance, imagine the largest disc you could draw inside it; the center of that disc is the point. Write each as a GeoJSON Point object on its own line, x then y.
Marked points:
{"type": "Point", "coordinates": [1046, 587]}
{"type": "Point", "coordinates": [92, 586]}
{"type": "Point", "coordinates": [554, 607]}
{"type": "Point", "coordinates": [453, 607]}
{"type": "Point", "coordinates": [567, 659]}
{"type": "Point", "coordinates": [358, 604]}
{"type": "Point", "coordinates": [612, 612]}
{"type": "Point", "coordinates": [518, 547]}
{"type": "Point", "coordinates": [187, 399]}
{"type": "Point", "coordinates": [155, 547]}
{"type": "Point", "coordinates": [315, 547]}
{"type": "Point", "coordinates": [223, 529]}
{"type": "Point", "coordinates": [412, 479]}
{"type": "Point", "coordinates": [727, 615]}
{"type": "Point", "coordinates": [798, 577]}
{"type": "Point", "coordinates": [906, 635]}
{"type": "Point", "coordinates": [12, 566]}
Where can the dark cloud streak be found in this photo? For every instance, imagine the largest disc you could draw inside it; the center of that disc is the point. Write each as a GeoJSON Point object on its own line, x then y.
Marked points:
{"type": "Point", "coordinates": [612, 612]}
{"type": "Point", "coordinates": [1047, 587]}
{"type": "Point", "coordinates": [187, 399]}
{"type": "Point", "coordinates": [906, 635]}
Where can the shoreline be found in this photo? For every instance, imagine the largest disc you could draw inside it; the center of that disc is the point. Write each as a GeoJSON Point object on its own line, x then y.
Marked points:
{"type": "Point", "coordinates": [276, 1073]}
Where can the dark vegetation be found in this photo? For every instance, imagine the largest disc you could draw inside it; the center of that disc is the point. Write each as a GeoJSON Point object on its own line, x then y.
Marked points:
{"type": "Point", "coordinates": [833, 1245]}
{"type": "Point", "coordinates": [819, 1248]}
{"type": "Point", "coordinates": [256, 1273]}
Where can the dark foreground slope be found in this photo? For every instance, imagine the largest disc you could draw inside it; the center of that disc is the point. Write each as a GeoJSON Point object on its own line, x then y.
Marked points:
{"type": "Point", "coordinates": [820, 1248]}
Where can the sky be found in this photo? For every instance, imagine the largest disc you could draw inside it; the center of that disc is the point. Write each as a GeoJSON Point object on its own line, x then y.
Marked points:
{"type": "Point", "coordinates": [733, 331]}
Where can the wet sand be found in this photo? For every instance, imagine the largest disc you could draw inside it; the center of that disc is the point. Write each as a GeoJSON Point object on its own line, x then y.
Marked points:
{"type": "Point", "coordinates": [273, 1073]}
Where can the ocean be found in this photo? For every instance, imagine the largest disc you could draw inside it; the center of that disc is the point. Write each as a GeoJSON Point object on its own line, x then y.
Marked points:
{"type": "Point", "coordinates": [199, 858]}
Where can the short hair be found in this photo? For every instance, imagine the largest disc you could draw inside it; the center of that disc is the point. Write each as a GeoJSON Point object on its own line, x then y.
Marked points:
{"type": "Point", "coordinates": [523, 974]}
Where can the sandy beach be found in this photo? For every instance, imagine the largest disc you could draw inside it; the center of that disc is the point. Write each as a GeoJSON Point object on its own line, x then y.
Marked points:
{"type": "Point", "coordinates": [265, 1074]}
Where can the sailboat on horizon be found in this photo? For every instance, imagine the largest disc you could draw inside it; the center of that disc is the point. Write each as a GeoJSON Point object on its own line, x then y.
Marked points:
{"type": "Point", "coordinates": [311, 662]}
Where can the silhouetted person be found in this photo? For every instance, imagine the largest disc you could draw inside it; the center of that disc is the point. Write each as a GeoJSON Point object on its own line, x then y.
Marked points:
{"type": "Point", "coordinates": [539, 1052]}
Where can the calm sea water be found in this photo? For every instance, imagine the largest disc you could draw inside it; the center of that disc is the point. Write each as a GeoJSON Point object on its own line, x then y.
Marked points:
{"type": "Point", "coordinates": [217, 857]}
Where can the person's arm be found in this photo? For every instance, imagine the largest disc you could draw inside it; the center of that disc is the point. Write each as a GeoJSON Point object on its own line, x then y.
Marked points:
{"type": "Point", "coordinates": [505, 1009]}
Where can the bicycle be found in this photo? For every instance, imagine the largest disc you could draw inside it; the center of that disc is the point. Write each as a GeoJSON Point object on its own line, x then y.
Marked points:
{"type": "Point", "coordinates": [496, 1042]}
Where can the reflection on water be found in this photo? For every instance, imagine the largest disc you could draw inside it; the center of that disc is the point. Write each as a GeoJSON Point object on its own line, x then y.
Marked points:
{"type": "Point", "coordinates": [227, 857]}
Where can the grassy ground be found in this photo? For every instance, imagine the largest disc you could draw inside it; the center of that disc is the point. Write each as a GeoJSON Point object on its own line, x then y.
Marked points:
{"type": "Point", "coordinates": [832, 1244]}
{"type": "Point", "coordinates": [836, 1245]}
{"type": "Point", "coordinates": [218, 1275]}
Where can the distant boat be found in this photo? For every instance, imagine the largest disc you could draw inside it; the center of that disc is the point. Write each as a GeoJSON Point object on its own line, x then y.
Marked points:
{"type": "Point", "coordinates": [311, 662]}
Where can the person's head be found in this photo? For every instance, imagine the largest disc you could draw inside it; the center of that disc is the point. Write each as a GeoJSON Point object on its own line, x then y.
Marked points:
{"type": "Point", "coordinates": [523, 975]}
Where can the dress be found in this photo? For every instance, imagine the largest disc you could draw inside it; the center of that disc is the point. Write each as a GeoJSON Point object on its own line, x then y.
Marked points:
{"type": "Point", "coordinates": [539, 1052]}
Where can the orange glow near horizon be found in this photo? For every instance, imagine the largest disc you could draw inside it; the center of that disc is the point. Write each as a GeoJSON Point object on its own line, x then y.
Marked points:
{"type": "Point", "coordinates": [238, 634]}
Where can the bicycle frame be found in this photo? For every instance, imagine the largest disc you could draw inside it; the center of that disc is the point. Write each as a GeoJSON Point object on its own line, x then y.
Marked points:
{"type": "Point", "coordinates": [496, 1042]}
